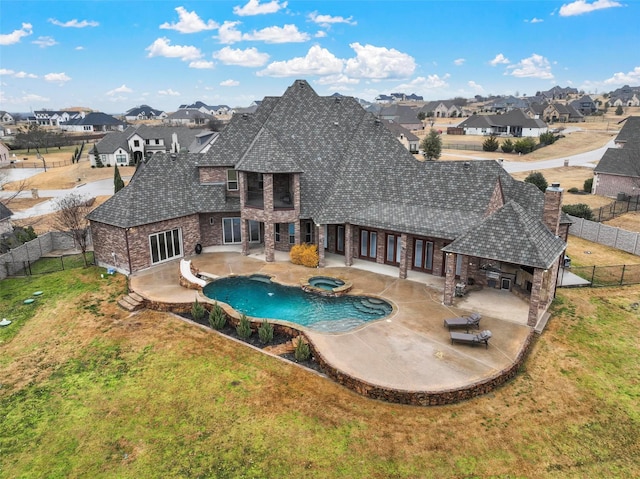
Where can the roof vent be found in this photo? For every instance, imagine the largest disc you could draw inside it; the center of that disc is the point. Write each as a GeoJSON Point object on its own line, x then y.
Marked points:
{"type": "Point", "coordinates": [335, 123]}
{"type": "Point", "coordinates": [378, 121]}
{"type": "Point", "coordinates": [337, 99]}
{"type": "Point", "coordinates": [245, 115]}
{"type": "Point", "coordinates": [174, 156]}
{"type": "Point", "coordinates": [466, 165]}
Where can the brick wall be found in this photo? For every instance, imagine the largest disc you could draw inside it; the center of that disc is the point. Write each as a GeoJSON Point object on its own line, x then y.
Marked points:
{"type": "Point", "coordinates": [611, 185]}
{"type": "Point", "coordinates": [212, 174]}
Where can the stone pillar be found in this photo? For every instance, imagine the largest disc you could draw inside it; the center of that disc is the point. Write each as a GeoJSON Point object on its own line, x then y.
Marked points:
{"type": "Point", "coordinates": [244, 233]}
{"type": "Point", "coordinates": [267, 195]}
{"type": "Point", "coordinates": [296, 231]}
{"type": "Point", "coordinates": [404, 257]}
{"type": "Point", "coordinates": [269, 242]}
{"type": "Point", "coordinates": [320, 236]}
{"type": "Point", "coordinates": [242, 187]}
{"type": "Point", "coordinates": [464, 269]}
{"type": "Point", "coordinates": [552, 208]}
{"type": "Point", "coordinates": [536, 297]}
{"type": "Point", "coordinates": [450, 279]}
{"type": "Point", "coordinates": [348, 245]}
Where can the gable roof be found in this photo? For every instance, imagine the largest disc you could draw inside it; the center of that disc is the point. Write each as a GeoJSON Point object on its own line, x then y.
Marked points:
{"type": "Point", "coordinates": [5, 213]}
{"type": "Point", "coordinates": [95, 118]}
{"type": "Point", "coordinates": [511, 235]}
{"type": "Point", "coordinates": [515, 117]}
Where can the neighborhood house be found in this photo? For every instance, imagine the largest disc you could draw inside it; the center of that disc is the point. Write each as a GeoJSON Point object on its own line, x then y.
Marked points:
{"type": "Point", "coordinates": [310, 169]}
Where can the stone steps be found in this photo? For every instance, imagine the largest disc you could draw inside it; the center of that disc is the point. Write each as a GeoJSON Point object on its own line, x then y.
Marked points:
{"type": "Point", "coordinates": [131, 302]}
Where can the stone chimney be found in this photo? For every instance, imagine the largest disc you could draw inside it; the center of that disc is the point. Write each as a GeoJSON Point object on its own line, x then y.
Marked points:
{"type": "Point", "coordinates": [552, 208]}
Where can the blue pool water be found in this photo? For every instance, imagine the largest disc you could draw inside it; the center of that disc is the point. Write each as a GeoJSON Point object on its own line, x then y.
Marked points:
{"type": "Point", "coordinates": [259, 297]}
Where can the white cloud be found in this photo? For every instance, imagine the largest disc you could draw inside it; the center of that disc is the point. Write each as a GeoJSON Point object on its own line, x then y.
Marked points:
{"type": "Point", "coordinates": [228, 33]}
{"type": "Point", "coordinates": [12, 73]}
{"type": "Point", "coordinates": [121, 89]}
{"type": "Point", "coordinates": [318, 61]}
{"type": "Point", "coordinates": [287, 34]}
{"type": "Point", "coordinates": [428, 82]}
{"type": "Point", "coordinates": [580, 7]}
{"type": "Point", "coordinates": [44, 42]}
{"type": "Point", "coordinates": [168, 92]}
{"type": "Point", "coordinates": [320, 34]}
{"type": "Point", "coordinates": [79, 48]}
{"type": "Point", "coordinates": [202, 65]}
{"type": "Point", "coordinates": [249, 57]}
{"type": "Point", "coordinates": [475, 87]}
{"type": "Point", "coordinates": [25, 99]}
{"type": "Point", "coordinates": [189, 22]}
{"type": "Point", "coordinates": [57, 77]}
{"type": "Point", "coordinates": [536, 66]}
{"type": "Point", "coordinates": [459, 61]}
{"type": "Point", "coordinates": [230, 83]}
{"type": "Point", "coordinates": [379, 63]}
{"type": "Point", "coordinates": [500, 59]}
{"type": "Point", "coordinates": [328, 20]}
{"type": "Point", "coordinates": [534, 20]}
{"type": "Point", "coordinates": [16, 35]}
{"type": "Point", "coordinates": [74, 23]}
{"type": "Point", "coordinates": [254, 7]}
{"type": "Point", "coordinates": [338, 82]}
{"type": "Point", "coordinates": [629, 78]}
{"type": "Point", "coordinates": [162, 48]}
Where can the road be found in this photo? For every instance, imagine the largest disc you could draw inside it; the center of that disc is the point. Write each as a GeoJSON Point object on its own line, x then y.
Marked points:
{"type": "Point", "coordinates": [105, 187]}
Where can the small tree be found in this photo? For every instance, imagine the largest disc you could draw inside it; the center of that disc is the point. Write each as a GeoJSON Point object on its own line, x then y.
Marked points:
{"type": "Point", "coordinates": [588, 185]}
{"type": "Point", "coordinates": [490, 144]}
{"type": "Point", "coordinates": [538, 179]}
{"type": "Point", "coordinates": [71, 219]}
{"type": "Point", "coordinates": [217, 318]}
{"type": "Point", "coordinates": [432, 145]}
{"type": "Point", "coordinates": [96, 155]}
{"type": "Point", "coordinates": [197, 310]}
{"type": "Point", "coordinates": [507, 146]}
{"type": "Point", "coordinates": [118, 184]}
{"type": "Point", "coordinates": [580, 211]}
{"type": "Point", "coordinates": [619, 110]}
{"type": "Point", "coordinates": [422, 116]}
{"type": "Point", "coordinates": [265, 331]}
{"type": "Point", "coordinates": [547, 138]}
{"type": "Point", "coordinates": [244, 327]}
{"type": "Point", "coordinates": [302, 351]}
{"type": "Point", "coordinates": [524, 145]}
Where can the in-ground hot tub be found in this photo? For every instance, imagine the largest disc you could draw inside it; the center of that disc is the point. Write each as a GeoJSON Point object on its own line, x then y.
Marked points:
{"type": "Point", "coordinates": [327, 285]}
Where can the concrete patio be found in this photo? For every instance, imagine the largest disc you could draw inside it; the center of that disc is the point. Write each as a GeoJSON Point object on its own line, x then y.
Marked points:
{"type": "Point", "coordinates": [408, 351]}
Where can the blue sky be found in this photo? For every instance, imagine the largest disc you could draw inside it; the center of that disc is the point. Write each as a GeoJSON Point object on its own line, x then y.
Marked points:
{"type": "Point", "coordinates": [112, 55]}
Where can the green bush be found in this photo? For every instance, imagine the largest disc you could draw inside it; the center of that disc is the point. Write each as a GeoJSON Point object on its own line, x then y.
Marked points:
{"type": "Point", "coordinates": [524, 145]}
{"type": "Point", "coordinates": [538, 179]}
{"type": "Point", "coordinates": [244, 327]}
{"type": "Point", "coordinates": [507, 146]}
{"type": "Point", "coordinates": [265, 331]}
{"type": "Point", "coordinates": [217, 317]}
{"type": "Point", "coordinates": [547, 138]}
{"type": "Point", "coordinates": [573, 190]}
{"type": "Point", "coordinates": [302, 351]}
{"type": "Point", "coordinates": [580, 211]}
{"type": "Point", "coordinates": [197, 310]}
{"type": "Point", "coordinates": [588, 185]}
{"type": "Point", "coordinates": [490, 144]}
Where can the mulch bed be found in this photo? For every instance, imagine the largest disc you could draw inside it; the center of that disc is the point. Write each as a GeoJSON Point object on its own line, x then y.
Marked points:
{"type": "Point", "coordinates": [254, 340]}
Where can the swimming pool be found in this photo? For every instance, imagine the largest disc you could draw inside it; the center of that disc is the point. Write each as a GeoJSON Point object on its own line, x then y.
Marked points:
{"type": "Point", "coordinates": [260, 297]}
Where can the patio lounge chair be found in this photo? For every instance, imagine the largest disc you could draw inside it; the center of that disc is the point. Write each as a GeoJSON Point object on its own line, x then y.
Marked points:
{"type": "Point", "coordinates": [466, 322]}
{"type": "Point", "coordinates": [473, 339]}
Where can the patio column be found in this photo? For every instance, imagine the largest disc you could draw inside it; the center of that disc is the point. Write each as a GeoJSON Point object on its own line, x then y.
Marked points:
{"type": "Point", "coordinates": [320, 236]}
{"type": "Point", "coordinates": [404, 257]}
{"type": "Point", "coordinates": [536, 297]}
{"type": "Point", "coordinates": [450, 279]}
{"type": "Point", "coordinates": [244, 234]}
{"type": "Point", "coordinates": [296, 231]}
{"type": "Point", "coordinates": [269, 242]}
{"type": "Point", "coordinates": [348, 245]}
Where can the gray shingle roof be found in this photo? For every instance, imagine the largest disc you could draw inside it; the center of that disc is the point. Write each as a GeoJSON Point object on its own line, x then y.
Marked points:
{"type": "Point", "coordinates": [620, 161]}
{"type": "Point", "coordinates": [5, 212]}
{"type": "Point", "coordinates": [512, 118]}
{"type": "Point", "coordinates": [511, 235]}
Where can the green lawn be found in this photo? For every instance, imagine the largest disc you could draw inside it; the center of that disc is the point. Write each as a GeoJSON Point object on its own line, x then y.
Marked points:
{"type": "Point", "coordinates": [89, 390]}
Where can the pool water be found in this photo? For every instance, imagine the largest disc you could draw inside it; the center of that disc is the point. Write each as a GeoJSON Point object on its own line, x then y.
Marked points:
{"type": "Point", "coordinates": [265, 299]}
{"type": "Point", "coordinates": [325, 282]}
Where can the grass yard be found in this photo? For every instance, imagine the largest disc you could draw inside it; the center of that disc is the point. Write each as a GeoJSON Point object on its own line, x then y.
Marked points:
{"type": "Point", "coordinates": [89, 390]}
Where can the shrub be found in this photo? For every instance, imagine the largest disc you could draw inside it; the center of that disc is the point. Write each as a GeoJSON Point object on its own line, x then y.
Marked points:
{"type": "Point", "coordinates": [538, 179]}
{"type": "Point", "coordinates": [580, 211]}
{"type": "Point", "coordinates": [524, 145]}
{"type": "Point", "coordinates": [490, 144]}
{"type": "Point", "coordinates": [507, 146]}
{"type": "Point", "coordinates": [244, 327]}
{"type": "Point", "coordinates": [573, 190]}
{"type": "Point", "coordinates": [305, 254]}
{"type": "Point", "coordinates": [588, 185]}
{"type": "Point", "coordinates": [265, 331]}
{"type": "Point", "coordinates": [547, 138]}
{"type": "Point", "coordinates": [619, 110]}
{"type": "Point", "coordinates": [217, 317]}
{"type": "Point", "coordinates": [302, 351]}
{"type": "Point", "coordinates": [197, 310]}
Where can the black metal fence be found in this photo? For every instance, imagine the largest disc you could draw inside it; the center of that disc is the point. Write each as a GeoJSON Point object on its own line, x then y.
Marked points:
{"type": "Point", "coordinates": [46, 265]}
{"type": "Point", "coordinates": [617, 275]}
{"type": "Point", "coordinates": [616, 208]}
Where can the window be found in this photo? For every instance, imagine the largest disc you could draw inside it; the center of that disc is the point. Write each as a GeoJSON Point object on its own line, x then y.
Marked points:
{"type": "Point", "coordinates": [231, 233]}
{"type": "Point", "coordinates": [368, 244]}
{"type": "Point", "coordinates": [308, 232]}
{"type": "Point", "coordinates": [340, 239]}
{"type": "Point", "coordinates": [121, 158]}
{"type": "Point", "coordinates": [292, 233]}
{"type": "Point", "coordinates": [392, 254]}
{"type": "Point", "coordinates": [136, 142]}
{"type": "Point", "coordinates": [277, 232]}
{"type": "Point", "coordinates": [165, 246]}
{"type": "Point", "coordinates": [212, 220]}
{"type": "Point", "coordinates": [254, 231]}
{"type": "Point", "coordinates": [232, 180]}
{"type": "Point", "coordinates": [423, 255]}
{"type": "Point", "coordinates": [146, 142]}
{"type": "Point", "coordinates": [260, 181]}
{"type": "Point", "coordinates": [157, 141]}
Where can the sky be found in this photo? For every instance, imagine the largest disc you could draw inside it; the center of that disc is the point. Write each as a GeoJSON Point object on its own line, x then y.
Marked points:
{"type": "Point", "coordinates": [112, 55]}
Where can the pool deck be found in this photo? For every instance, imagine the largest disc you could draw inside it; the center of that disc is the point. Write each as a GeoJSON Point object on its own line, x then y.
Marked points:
{"type": "Point", "coordinates": [408, 351]}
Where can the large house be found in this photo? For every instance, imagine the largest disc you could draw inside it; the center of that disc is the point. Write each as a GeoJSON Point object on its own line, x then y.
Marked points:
{"type": "Point", "coordinates": [310, 169]}
{"type": "Point", "coordinates": [144, 112]}
{"type": "Point", "coordinates": [92, 122]}
{"type": "Point", "coordinates": [129, 147]}
{"type": "Point", "coordinates": [514, 123]}
{"type": "Point", "coordinates": [618, 171]}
